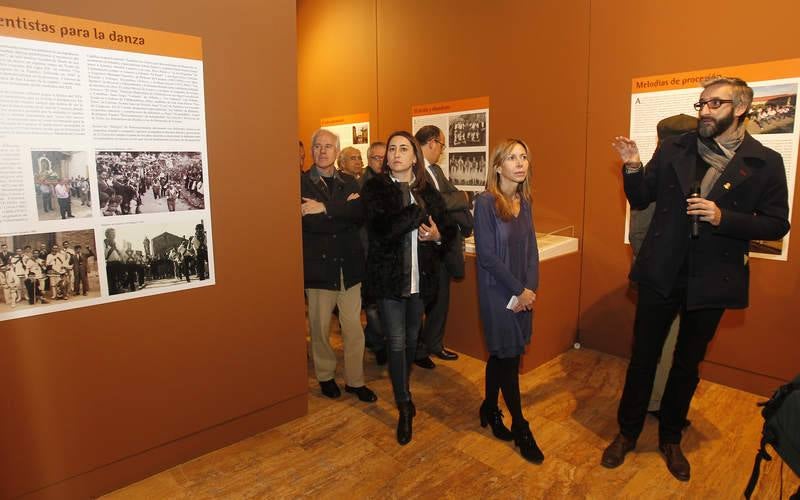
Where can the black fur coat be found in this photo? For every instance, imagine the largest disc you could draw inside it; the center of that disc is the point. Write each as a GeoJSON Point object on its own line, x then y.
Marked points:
{"type": "Point", "coordinates": [388, 223]}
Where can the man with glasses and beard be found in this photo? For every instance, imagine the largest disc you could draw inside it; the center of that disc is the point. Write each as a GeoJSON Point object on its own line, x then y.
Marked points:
{"type": "Point", "coordinates": [714, 190]}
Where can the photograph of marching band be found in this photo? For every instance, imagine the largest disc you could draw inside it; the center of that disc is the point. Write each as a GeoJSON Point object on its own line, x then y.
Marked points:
{"type": "Point", "coordinates": [773, 109]}
{"type": "Point", "coordinates": [47, 268]}
{"type": "Point", "coordinates": [131, 182]}
{"type": "Point", "coordinates": [468, 169]}
{"type": "Point", "coordinates": [468, 129]}
{"type": "Point", "coordinates": [61, 181]}
{"type": "Point", "coordinates": [154, 256]}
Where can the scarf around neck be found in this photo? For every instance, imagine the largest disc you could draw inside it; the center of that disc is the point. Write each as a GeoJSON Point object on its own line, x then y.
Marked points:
{"type": "Point", "coordinates": [717, 153]}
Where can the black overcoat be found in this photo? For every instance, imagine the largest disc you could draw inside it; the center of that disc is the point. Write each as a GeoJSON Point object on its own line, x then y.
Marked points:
{"type": "Point", "coordinates": [752, 196]}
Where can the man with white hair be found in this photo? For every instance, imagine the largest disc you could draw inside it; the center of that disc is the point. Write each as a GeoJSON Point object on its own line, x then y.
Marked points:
{"type": "Point", "coordinates": [350, 162]}
{"type": "Point", "coordinates": [333, 266]}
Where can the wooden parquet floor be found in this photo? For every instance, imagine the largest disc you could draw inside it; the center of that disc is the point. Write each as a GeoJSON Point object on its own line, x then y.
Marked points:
{"type": "Point", "coordinates": [347, 449]}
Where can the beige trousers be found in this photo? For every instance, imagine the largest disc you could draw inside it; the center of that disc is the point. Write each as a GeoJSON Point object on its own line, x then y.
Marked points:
{"type": "Point", "coordinates": [320, 308]}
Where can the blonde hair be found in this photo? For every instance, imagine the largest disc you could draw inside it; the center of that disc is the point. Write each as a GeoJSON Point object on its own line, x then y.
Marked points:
{"type": "Point", "coordinates": [504, 205]}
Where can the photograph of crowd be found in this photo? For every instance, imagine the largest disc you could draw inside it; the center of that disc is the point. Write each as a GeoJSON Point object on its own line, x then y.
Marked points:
{"type": "Point", "coordinates": [155, 255]}
{"type": "Point", "coordinates": [468, 169]}
{"type": "Point", "coordinates": [146, 182]}
{"type": "Point", "coordinates": [467, 130]}
{"type": "Point", "coordinates": [61, 182]}
{"type": "Point", "coordinates": [773, 109]}
{"type": "Point", "coordinates": [46, 268]}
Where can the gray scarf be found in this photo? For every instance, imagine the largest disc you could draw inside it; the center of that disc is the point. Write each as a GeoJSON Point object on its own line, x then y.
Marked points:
{"type": "Point", "coordinates": [717, 153]}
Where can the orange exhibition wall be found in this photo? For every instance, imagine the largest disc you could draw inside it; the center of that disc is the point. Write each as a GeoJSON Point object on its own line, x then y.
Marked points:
{"type": "Point", "coordinates": [559, 76]}
{"type": "Point", "coordinates": [99, 397]}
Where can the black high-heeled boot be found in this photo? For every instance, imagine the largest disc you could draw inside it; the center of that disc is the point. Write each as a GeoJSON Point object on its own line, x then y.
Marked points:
{"type": "Point", "coordinates": [407, 412]}
{"type": "Point", "coordinates": [523, 438]}
{"type": "Point", "coordinates": [494, 417]}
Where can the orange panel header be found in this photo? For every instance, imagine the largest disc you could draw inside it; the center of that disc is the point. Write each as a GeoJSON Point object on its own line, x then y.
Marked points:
{"type": "Point", "coordinates": [788, 68]}
{"type": "Point", "coordinates": [450, 106]}
{"type": "Point", "coordinates": [341, 120]}
{"type": "Point", "coordinates": [44, 27]}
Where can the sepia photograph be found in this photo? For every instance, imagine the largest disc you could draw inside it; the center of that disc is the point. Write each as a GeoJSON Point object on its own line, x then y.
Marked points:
{"type": "Point", "coordinates": [61, 183]}
{"type": "Point", "coordinates": [153, 256]}
{"type": "Point", "coordinates": [131, 182]}
{"type": "Point", "coordinates": [47, 268]}
{"type": "Point", "coordinates": [467, 130]}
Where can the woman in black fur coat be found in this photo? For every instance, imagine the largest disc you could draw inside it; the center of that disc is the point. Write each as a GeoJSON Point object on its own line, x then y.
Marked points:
{"type": "Point", "coordinates": [408, 231]}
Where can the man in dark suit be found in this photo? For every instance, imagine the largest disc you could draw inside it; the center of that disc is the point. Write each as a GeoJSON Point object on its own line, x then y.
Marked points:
{"type": "Point", "coordinates": [742, 196]}
{"type": "Point", "coordinates": [82, 270]}
{"type": "Point", "coordinates": [333, 266]}
{"type": "Point", "coordinates": [431, 338]}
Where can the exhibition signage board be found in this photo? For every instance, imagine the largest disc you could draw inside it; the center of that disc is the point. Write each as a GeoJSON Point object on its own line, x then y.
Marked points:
{"type": "Point", "coordinates": [465, 124]}
{"type": "Point", "coordinates": [353, 130]}
{"type": "Point", "coordinates": [771, 119]}
{"type": "Point", "coordinates": [104, 192]}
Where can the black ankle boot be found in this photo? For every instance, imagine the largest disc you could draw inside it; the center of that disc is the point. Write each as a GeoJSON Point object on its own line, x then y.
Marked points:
{"type": "Point", "coordinates": [527, 445]}
{"type": "Point", "coordinates": [494, 417]}
{"type": "Point", "coordinates": [407, 411]}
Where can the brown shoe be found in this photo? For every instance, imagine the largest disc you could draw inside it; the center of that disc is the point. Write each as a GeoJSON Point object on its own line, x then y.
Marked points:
{"type": "Point", "coordinates": [614, 455]}
{"type": "Point", "coordinates": [676, 461]}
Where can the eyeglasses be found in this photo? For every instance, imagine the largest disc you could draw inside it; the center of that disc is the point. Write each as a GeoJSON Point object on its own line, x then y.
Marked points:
{"type": "Point", "coordinates": [712, 103]}
{"type": "Point", "coordinates": [376, 158]}
{"type": "Point", "coordinates": [443, 145]}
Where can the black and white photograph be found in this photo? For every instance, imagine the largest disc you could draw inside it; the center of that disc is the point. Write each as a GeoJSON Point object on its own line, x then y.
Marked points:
{"type": "Point", "coordinates": [38, 270]}
{"type": "Point", "coordinates": [773, 109]}
{"type": "Point", "coordinates": [61, 184]}
{"type": "Point", "coordinates": [467, 130]}
{"type": "Point", "coordinates": [131, 182]}
{"type": "Point", "coordinates": [468, 169]}
{"type": "Point", "coordinates": [153, 256]}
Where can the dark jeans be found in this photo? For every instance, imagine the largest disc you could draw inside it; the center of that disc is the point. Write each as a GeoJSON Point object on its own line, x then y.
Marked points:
{"type": "Point", "coordinates": [400, 319]}
{"type": "Point", "coordinates": [47, 202]}
{"type": "Point", "coordinates": [654, 316]}
{"type": "Point", "coordinates": [374, 338]}
{"type": "Point", "coordinates": [432, 335]}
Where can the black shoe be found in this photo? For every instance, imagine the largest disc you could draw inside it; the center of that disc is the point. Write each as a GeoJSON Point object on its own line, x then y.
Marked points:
{"type": "Point", "coordinates": [364, 393]}
{"type": "Point", "coordinates": [407, 412]}
{"type": "Point", "coordinates": [527, 445]}
{"type": "Point", "coordinates": [494, 417]}
{"type": "Point", "coordinates": [676, 461]}
{"type": "Point", "coordinates": [380, 357]}
{"type": "Point", "coordinates": [425, 363]}
{"type": "Point", "coordinates": [614, 454]}
{"type": "Point", "coordinates": [330, 389]}
{"type": "Point", "coordinates": [446, 355]}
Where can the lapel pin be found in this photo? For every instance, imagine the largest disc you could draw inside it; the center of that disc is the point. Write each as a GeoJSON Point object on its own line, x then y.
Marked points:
{"type": "Point", "coordinates": [727, 185]}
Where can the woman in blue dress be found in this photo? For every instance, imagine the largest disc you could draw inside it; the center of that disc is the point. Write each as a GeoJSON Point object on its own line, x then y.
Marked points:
{"type": "Point", "coordinates": [508, 277]}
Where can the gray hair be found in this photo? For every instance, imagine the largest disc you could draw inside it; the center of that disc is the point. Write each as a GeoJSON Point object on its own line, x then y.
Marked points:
{"type": "Point", "coordinates": [742, 93]}
{"type": "Point", "coordinates": [375, 145]}
{"type": "Point", "coordinates": [325, 131]}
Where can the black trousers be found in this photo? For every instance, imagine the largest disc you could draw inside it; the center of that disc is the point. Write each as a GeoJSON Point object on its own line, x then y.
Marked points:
{"type": "Point", "coordinates": [431, 337]}
{"type": "Point", "coordinates": [654, 316]}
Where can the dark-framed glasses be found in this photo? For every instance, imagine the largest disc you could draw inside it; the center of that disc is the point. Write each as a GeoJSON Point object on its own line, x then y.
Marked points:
{"type": "Point", "coordinates": [712, 103]}
{"type": "Point", "coordinates": [443, 145]}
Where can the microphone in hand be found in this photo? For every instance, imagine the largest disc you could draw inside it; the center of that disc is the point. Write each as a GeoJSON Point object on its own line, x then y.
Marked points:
{"type": "Point", "coordinates": [694, 220]}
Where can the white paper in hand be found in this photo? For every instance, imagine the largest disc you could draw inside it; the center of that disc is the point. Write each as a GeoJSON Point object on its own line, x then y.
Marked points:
{"type": "Point", "coordinates": [512, 303]}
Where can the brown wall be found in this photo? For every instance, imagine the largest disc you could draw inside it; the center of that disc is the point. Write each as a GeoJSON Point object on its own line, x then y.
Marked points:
{"type": "Point", "coordinates": [99, 397]}
{"type": "Point", "coordinates": [756, 348]}
{"type": "Point", "coordinates": [336, 64]}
